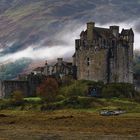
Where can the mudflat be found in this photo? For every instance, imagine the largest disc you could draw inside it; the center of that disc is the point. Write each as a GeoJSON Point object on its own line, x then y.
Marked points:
{"type": "Point", "coordinates": [67, 124]}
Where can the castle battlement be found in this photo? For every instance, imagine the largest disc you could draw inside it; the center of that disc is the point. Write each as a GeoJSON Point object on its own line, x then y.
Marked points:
{"type": "Point", "coordinates": [104, 54]}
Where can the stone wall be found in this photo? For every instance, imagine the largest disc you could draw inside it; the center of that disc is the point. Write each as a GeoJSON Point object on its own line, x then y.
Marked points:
{"type": "Point", "coordinates": [92, 64]}
{"type": "Point", "coordinates": [8, 87]}
{"type": "Point", "coordinates": [27, 87]}
{"type": "Point", "coordinates": [104, 54]}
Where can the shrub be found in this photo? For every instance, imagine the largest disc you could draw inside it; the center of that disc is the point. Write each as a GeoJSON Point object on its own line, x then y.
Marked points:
{"type": "Point", "coordinates": [17, 98]}
{"type": "Point", "coordinates": [48, 90]}
{"type": "Point", "coordinates": [120, 90]}
{"type": "Point", "coordinates": [60, 97]}
{"type": "Point", "coordinates": [77, 88]}
{"type": "Point", "coordinates": [66, 80]}
{"type": "Point", "coordinates": [71, 102]}
{"type": "Point", "coordinates": [137, 97]}
{"type": "Point", "coordinates": [80, 88]}
{"type": "Point", "coordinates": [4, 104]}
{"type": "Point", "coordinates": [51, 106]}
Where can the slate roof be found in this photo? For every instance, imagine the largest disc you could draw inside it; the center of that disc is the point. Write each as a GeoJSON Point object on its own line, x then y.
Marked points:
{"type": "Point", "coordinates": [103, 32]}
{"type": "Point", "coordinates": [39, 69]}
{"type": "Point", "coordinates": [125, 32]}
{"type": "Point", "coordinates": [100, 32]}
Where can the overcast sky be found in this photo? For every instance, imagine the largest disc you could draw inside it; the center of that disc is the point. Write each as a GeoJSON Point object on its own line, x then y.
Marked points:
{"type": "Point", "coordinates": [67, 36]}
{"type": "Point", "coordinates": [125, 13]}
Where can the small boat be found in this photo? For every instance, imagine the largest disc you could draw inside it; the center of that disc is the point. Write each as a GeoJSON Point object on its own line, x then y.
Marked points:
{"type": "Point", "coordinates": [111, 112]}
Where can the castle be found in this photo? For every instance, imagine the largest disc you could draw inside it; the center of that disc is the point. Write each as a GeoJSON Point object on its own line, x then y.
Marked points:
{"type": "Point", "coordinates": [104, 54]}
{"type": "Point", "coordinates": [101, 54]}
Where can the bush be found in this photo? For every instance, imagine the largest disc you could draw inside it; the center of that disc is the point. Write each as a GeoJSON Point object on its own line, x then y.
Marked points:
{"type": "Point", "coordinates": [77, 88]}
{"type": "Point", "coordinates": [120, 90]}
{"type": "Point", "coordinates": [17, 98]}
{"type": "Point", "coordinates": [48, 90]}
{"type": "Point", "coordinates": [81, 102]}
{"type": "Point", "coordinates": [60, 97]}
{"type": "Point", "coordinates": [80, 88]}
{"type": "Point", "coordinates": [51, 106]}
{"type": "Point", "coordinates": [66, 80]}
{"type": "Point", "coordinates": [72, 101]}
{"type": "Point", "coordinates": [4, 104]}
{"type": "Point", "coordinates": [137, 97]}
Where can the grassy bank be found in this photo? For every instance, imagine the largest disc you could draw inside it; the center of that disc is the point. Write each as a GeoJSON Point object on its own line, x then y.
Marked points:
{"type": "Point", "coordinates": [69, 124]}
{"type": "Point", "coordinates": [70, 118]}
{"type": "Point", "coordinates": [79, 103]}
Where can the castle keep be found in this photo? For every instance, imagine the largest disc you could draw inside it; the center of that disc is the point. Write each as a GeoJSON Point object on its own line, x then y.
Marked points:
{"type": "Point", "coordinates": [101, 54]}
{"type": "Point", "coordinates": [104, 54]}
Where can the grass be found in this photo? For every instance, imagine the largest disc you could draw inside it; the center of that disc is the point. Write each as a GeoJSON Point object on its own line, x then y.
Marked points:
{"type": "Point", "coordinates": [36, 99]}
{"type": "Point", "coordinates": [79, 103]}
{"type": "Point", "coordinates": [70, 120]}
{"type": "Point", "coordinates": [66, 123]}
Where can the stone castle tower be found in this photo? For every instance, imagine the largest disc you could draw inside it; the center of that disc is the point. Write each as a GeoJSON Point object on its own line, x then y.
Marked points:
{"type": "Point", "coordinates": [104, 54]}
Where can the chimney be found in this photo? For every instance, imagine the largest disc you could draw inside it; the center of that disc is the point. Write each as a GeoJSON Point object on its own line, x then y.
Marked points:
{"type": "Point", "coordinates": [115, 30]}
{"type": "Point", "coordinates": [46, 62]}
{"type": "Point", "coordinates": [90, 27]}
{"type": "Point", "coordinates": [59, 61]}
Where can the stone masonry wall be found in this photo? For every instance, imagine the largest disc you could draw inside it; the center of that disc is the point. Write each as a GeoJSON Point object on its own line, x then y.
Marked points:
{"type": "Point", "coordinates": [8, 87]}
{"type": "Point", "coordinates": [92, 64]}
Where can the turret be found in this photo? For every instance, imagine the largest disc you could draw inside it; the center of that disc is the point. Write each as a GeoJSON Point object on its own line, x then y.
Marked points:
{"type": "Point", "coordinates": [128, 35]}
{"type": "Point", "coordinates": [77, 44]}
{"type": "Point", "coordinates": [59, 61]}
{"type": "Point", "coordinates": [131, 36]}
{"type": "Point", "coordinates": [115, 30]}
{"type": "Point", "coordinates": [90, 27]}
{"type": "Point", "coordinates": [46, 63]}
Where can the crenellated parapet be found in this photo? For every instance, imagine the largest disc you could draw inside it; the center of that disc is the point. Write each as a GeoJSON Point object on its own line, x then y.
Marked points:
{"type": "Point", "coordinates": [108, 51]}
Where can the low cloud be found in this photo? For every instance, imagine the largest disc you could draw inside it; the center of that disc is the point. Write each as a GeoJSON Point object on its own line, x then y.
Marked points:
{"type": "Point", "coordinates": [66, 45]}
{"type": "Point", "coordinates": [62, 46]}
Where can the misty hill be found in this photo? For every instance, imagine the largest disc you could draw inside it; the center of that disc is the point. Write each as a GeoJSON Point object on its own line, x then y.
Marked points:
{"type": "Point", "coordinates": [11, 70]}
{"type": "Point", "coordinates": [28, 21]}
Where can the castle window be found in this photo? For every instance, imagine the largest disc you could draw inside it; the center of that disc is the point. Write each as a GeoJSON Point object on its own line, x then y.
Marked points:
{"type": "Point", "coordinates": [113, 43]}
{"type": "Point", "coordinates": [104, 42]}
{"type": "Point", "coordinates": [88, 74]}
{"type": "Point", "coordinates": [111, 53]}
{"type": "Point", "coordinates": [96, 48]}
{"type": "Point", "coordinates": [88, 61]}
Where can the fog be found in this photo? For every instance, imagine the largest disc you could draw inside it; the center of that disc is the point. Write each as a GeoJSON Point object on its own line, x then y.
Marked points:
{"type": "Point", "coordinates": [66, 46]}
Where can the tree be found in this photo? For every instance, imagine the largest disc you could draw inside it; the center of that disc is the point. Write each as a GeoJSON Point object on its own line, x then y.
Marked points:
{"type": "Point", "coordinates": [48, 90]}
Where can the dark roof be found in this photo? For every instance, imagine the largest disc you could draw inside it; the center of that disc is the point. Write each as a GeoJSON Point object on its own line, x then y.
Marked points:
{"type": "Point", "coordinates": [104, 32]}
{"type": "Point", "coordinates": [39, 69]}
{"type": "Point", "coordinates": [82, 33]}
{"type": "Point", "coordinates": [66, 64]}
{"type": "Point", "coordinates": [101, 32]}
{"type": "Point", "coordinates": [126, 32]}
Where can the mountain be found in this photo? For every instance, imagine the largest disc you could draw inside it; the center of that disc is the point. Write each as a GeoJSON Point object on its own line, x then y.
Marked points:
{"type": "Point", "coordinates": [28, 25]}
{"type": "Point", "coordinates": [24, 22]}
{"type": "Point", "coordinates": [12, 69]}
